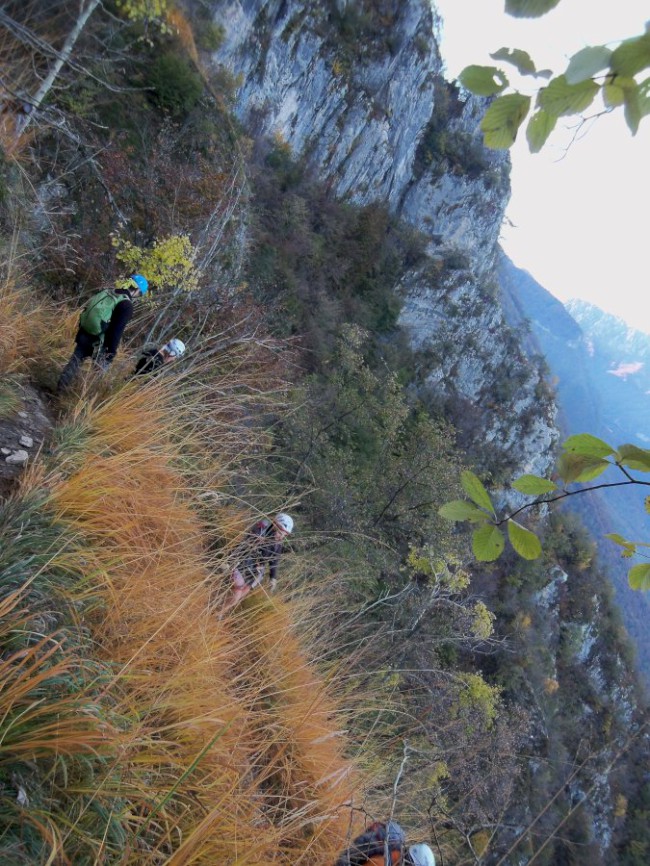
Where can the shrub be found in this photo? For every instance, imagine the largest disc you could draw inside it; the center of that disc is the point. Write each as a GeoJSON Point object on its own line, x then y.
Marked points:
{"type": "Point", "coordinates": [210, 36]}
{"type": "Point", "coordinates": [456, 260]}
{"type": "Point", "coordinates": [176, 86]}
{"type": "Point", "coordinates": [441, 143]}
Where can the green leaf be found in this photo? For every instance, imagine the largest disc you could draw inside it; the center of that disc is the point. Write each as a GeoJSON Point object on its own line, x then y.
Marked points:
{"type": "Point", "coordinates": [540, 126]}
{"type": "Point", "coordinates": [635, 458]}
{"type": "Point", "coordinates": [632, 109]}
{"type": "Point", "coordinates": [613, 95]}
{"type": "Point", "coordinates": [520, 59]}
{"type": "Point", "coordinates": [646, 504]}
{"type": "Point", "coordinates": [636, 101]}
{"type": "Point", "coordinates": [460, 509]}
{"type": "Point", "coordinates": [503, 119]}
{"type": "Point", "coordinates": [487, 543]}
{"type": "Point", "coordinates": [533, 485]}
{"type": "Point", "coordinates": [473, 487]}
{"type": "Point", "coordinates": [644, 97]}
{"type": "Point", "coordinates": [483, 80]}
{"type": "Point", "coordinates": [639, 576]}
{"type": "Point", "coordinates": [525, 542]}
{"type": "Point", "coordinates": [580, 467]}
{"type": "Point", "coordinates": [631, 56]}
{"type": "Point", "coordinates": [588, 445]}
{"type": "Point", "coordinates": [560, 98]}
{"type": "Point", "coordinates": [622, 542]}
{"type": "Point", "coordinates": [586, 63]}
{"type": "Point", "coordinates": [529, 8]}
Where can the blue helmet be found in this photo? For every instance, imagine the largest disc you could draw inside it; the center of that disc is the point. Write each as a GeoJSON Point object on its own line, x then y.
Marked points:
{"type": "Point", "coordinates": [141, 283]}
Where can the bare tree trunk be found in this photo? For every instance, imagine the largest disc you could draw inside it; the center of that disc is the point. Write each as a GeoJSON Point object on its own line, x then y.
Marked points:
{"type": "Point", "coordinates": [85, 11]}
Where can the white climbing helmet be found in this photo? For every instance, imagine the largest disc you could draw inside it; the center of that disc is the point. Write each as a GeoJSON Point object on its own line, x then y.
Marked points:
{"type": "Point", "coordinates": [284, 522]}
{"type": "Point", "coordinates": [175, 348]}
{"type": "Point", "coordinates": [422, 855]}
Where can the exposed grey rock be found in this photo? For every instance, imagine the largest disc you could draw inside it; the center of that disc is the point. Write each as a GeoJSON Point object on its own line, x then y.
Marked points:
{"type": "Point", "coordinates": [358, 123]}
{"type": "Point", "coordinates": [476, 358]}
{"type": "Point", "coordinates": [31, 422]}
{"type": "Point", "coordinates": [548, 596]}
{"type": "Point", "coordinates": [51, 198]}
{"type": "Point", "coordinates": [17, 457]}
{"type": "Point", "coordinates": [462, 209]}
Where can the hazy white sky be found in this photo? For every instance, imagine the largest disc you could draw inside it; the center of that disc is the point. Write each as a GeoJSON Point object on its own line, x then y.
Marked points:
{"type": "Point", "coordinates": [580, 218]}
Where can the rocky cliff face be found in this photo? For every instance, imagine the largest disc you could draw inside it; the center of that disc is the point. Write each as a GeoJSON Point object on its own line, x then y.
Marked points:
{"type": "Point", "coordinates": [351, 92]}
{"type": "Point", "coordinates": [357, 90]}
{"type": "Point", "coordinates": [583, 673]}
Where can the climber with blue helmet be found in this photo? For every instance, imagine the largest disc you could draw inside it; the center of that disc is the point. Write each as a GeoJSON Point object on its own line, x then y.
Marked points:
{"type": "Point", "coordinates": [385, 843]}
{"type": "Point", "coordinates": [101, 325]}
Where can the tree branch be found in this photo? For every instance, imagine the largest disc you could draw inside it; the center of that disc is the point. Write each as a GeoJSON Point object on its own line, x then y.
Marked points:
{"type": "Point", "coordinates": [568, 493]}
{"type": "Point", "coordinates": [63, 57]}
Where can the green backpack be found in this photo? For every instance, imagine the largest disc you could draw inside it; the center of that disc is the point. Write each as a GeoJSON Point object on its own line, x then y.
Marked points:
{"type": "Point", "coordinates": [97, 313]}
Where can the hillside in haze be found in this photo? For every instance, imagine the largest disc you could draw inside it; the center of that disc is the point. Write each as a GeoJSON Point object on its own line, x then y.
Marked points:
{"type": "Point", "coordinates": [600, 368]}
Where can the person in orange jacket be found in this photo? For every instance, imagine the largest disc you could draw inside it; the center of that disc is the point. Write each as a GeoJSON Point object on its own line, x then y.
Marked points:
{"type": "Point", "coordinates": [380, 840]}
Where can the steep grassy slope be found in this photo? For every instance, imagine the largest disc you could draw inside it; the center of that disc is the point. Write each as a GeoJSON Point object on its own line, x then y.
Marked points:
{"type": "Point", "coordinates": [135, 726]}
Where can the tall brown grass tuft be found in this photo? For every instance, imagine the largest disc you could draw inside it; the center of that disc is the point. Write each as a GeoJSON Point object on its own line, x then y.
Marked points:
{"type": "Point", "coordinates": [223, 744]}
{"type": "Point", "coordinates": [28, 342]}
{"type": "Point", "coordinates": [33, 699]}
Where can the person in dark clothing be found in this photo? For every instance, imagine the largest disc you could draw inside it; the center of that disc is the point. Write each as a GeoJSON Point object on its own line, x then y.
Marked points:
{"type": "Point", "coordinates": [153, 359]}
{"type": "Point", "coordinates": [262, 548]}
{"type": "Point", "coordinates": [101, 326]}
{"type": "Point", "coordinates": [383, 844]}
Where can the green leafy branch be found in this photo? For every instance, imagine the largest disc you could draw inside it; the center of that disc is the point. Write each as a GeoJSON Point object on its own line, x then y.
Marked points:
{"type": "Point", "coordinates": [614, 73]}
{"type": "Point", "coordinates": [584, 458]}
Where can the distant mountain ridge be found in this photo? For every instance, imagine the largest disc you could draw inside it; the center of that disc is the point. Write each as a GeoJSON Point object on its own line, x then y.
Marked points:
{"type": "Point", "coordinates": [602, 365]}
{"type": "Point", "coordinates": [608, 330]}
{"type": "Point", "coordinates": [600, 368]}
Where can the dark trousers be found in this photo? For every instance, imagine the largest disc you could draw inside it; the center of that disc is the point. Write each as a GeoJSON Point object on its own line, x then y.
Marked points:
{"type": "Point", "coordinates": [84, 348]}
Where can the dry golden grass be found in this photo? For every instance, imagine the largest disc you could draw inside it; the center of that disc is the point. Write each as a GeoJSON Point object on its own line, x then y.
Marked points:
{"type": "Point", "coordinates": [228, 746]}
{"type": "Point", "coordinates": [28, 341]}
{"type": "Point", "coordinates": [65, 725]}
{"type": "Point", "coordinates": [220, 741]}
{"type": "Point", "coordinates": [210, 741]}
{"type": "Point", "coordinates": [179, 23]}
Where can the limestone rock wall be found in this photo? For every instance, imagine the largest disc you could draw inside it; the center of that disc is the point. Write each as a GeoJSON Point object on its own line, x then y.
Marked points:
{"type": "Point", "coordinates": [375, 118]}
